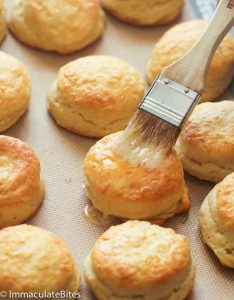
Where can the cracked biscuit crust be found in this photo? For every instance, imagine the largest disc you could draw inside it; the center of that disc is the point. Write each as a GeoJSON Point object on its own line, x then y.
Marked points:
{"type": "Point", "coordinates": [180, 39]}
{"type": "Point", "coordinates": [206, 143]}
{"type": "Point", "coordinates": [15, 90]}
{"type": "Point", "coordinates": [21, 189]}
{"type": "Point", "coordinates": [217, 220]}
{"type": "Point", "coordinates": [144, 13]}
{"type": "Point", "coordinates": [63, 26]}
{"type": "Point", "coordinates": [118, 188]}
{"type": "Point", "coordinates": [34, 259]}
{"type": "Point", "coordinates": [95, 95]}
{"type": "Point", "coordinates": [137, 260]}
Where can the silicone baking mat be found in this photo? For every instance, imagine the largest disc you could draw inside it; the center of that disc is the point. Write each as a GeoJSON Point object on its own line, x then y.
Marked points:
{"type": "Point", "coordinates": [61, 154]}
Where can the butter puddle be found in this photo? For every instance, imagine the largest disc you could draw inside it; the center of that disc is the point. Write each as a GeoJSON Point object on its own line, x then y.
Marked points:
{"type": "Point", "coordinates": [96, 217]}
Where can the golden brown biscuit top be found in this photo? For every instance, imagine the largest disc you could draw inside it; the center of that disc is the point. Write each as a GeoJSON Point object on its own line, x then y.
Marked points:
{"type": "Point", "coordinates": [100, 84]}
{"type": "Point", "coordinates": [210, 130]}
{"type": "Point", "coordinates": [182, 37]}
{"type": "Point", "coordinates": [33, 259]}
{"type": "Point", "coordinates": [138, 255]}
{"type": "Point", "coordinates": [19, 171]}
{"type": "Point", "coordinates": [14, 84]}
{"type": "Point", "coordinates": [118, 178]}
{"type": "Point", "coordinates": [65, 17]}
{"type": "Point", "coordinates": [225, 201]}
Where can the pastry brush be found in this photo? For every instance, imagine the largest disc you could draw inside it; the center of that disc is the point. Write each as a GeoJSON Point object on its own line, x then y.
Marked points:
{"type": "Point", "coordinates": [174, 94]}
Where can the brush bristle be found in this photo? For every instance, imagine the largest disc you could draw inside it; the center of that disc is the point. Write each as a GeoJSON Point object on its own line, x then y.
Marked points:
{"type": "Point", "coordinates": [152, 130]}
{"type": "Point", "coordinates": [147, 140]}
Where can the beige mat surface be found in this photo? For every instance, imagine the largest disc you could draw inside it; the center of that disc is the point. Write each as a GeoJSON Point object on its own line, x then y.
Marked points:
{"type": "Point", "coordinates": [61, 154]}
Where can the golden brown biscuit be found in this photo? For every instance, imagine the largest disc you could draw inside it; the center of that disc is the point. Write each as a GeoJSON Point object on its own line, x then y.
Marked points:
{"type": "Point", "coordinates": [144, 13]}
{"type": "Point", "coordinates": [179, 40]}
{"type": "Point", "coordinates": [95, 95]}
{"type": "Point", "coordinates": [118, 188]}
{"type": "Point", "coordinates": [2, 21]}
{"type": "Point", "coordinates": [15, 89]}
{"type": "Point", "coordinates": [217, 220]}
{"type": "Point", "coordinates": [21, 190]}
{"type": "Point", "coordinates": [35, 260]}
{"type": "Point", "coordinates": [137, 260]}
{"type": "Point", "coordinates": [62, 26]}
{"type": "Point", "coordinates": [206, 143]}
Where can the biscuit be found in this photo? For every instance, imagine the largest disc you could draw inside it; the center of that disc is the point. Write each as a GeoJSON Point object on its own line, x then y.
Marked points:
{"type": "Point", "coordinates": [21, 190]}
{"type": "Point", "coordinates": [118, 188]}
{"type": "Point", "coordinates": [179, 40]}
{"type": "Point", "coordinates": [2, 21]}
{"type": "Point", "coordinates": [61, 26]}
{"type": "Point", "coordinates": [95, 95]}
{"type": "Point", "coordinates": [15, 88]}
{"type": "Point", "coordinates": [206, 143]}
{"type": "Point", "coordinates": [217, 220]}
{"type": "Point", "coordinates": [35, 260]}
{"type": "Point", "coordinates": [137, 260]}
{"type": "Point", "coordinates": [144, 13]}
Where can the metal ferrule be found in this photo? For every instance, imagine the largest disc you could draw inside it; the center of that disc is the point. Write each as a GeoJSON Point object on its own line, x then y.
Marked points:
{"type": "Point", "coordinates": [170, 101]}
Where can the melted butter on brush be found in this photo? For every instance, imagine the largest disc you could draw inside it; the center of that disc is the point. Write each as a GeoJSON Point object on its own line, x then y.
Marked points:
{"type": "Point", "coordinates": [147, 140]}
{"type": "Point", "coordinates": [138, 153]}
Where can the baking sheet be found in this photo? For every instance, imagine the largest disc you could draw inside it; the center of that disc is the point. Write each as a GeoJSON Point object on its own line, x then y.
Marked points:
{"type": "Point", "coordinates": [61, 154]}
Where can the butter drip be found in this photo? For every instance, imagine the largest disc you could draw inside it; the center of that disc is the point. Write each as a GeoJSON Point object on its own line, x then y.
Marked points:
{"type": "Point", "coordinates": [96, 217]}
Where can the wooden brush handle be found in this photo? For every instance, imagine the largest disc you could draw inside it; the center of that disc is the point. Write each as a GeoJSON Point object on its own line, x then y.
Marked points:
{"type": "Point", "coordinates": [191, 70]}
